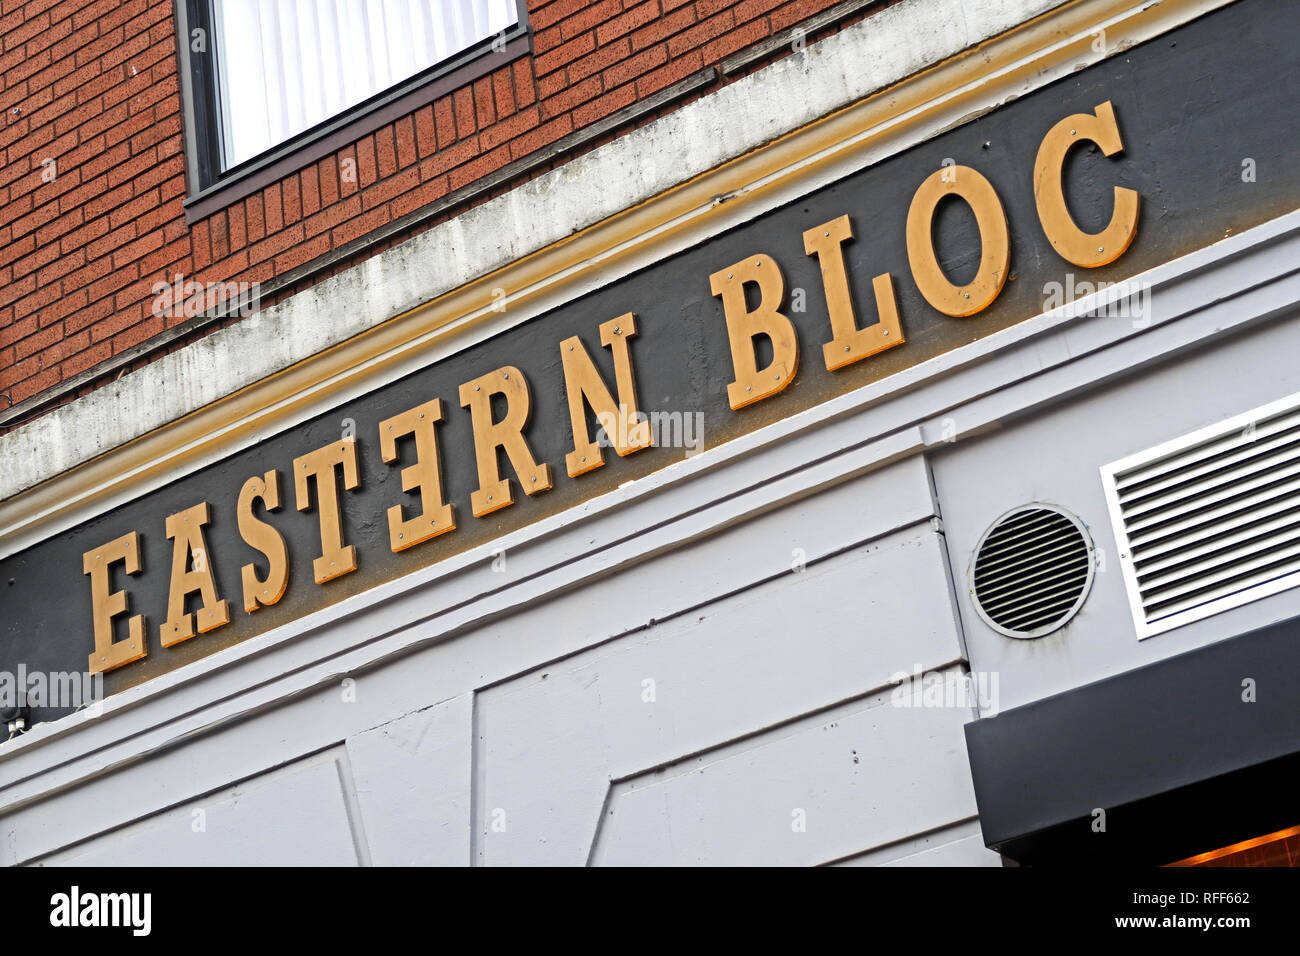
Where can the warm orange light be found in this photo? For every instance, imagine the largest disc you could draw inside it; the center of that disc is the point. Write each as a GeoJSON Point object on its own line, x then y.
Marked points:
{"type": "Point", "coordinates": [1290, 850]}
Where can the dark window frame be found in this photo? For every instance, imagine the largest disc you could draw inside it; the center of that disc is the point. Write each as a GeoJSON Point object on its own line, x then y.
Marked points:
{"type": "Point", "coordinates": [210, 189]}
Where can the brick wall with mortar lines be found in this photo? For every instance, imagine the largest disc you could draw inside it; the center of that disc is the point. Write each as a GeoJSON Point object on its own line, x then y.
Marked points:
{"type": "Point", "coordinates": [92, 171]}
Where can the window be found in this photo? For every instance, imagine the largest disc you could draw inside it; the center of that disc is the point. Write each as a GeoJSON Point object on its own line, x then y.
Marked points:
{"type": "Point", "coordinates": [266, 78]}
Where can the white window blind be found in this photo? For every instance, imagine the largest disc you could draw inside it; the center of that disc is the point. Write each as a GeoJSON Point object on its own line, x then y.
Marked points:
{"type": "Point", "coordinates": [284, 66]}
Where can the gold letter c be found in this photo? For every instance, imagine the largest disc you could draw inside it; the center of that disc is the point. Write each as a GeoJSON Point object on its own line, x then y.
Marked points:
{"type": "Point", "coordinates": [1073, 244]}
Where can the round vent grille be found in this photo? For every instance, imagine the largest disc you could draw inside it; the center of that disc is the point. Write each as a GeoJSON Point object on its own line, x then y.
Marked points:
{"type": "Point", "coordinates": [1031, 571]}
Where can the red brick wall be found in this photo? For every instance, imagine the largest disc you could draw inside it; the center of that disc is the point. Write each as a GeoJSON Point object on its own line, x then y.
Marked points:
{"type": "Point", "coordinates": [92, 85]}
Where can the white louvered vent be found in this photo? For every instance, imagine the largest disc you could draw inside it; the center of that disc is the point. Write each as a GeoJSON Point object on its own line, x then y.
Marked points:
{"type": "Point", "coordinates": [1209, 521]}
{"type": "Point", "coordinates": [1031, 571]}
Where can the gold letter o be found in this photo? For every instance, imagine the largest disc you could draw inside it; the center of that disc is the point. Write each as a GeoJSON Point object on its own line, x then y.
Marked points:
{"type": "Point", "coordinates": [995, 246]}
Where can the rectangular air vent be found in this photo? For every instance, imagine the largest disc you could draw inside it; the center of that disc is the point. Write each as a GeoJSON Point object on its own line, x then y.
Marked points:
{"type": "Point", "coordinates": [1209, 521]}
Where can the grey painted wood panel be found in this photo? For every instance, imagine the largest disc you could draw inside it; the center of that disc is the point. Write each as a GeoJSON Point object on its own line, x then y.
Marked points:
{"type": "Point", "coordinates": [958, 845]}
{"type": "Point", "coordinates": [861, 775]}
{"type": "Point", "coordinates": [412, 778]}
{"type": "Point", "coordinates": [294, 816]}
{"type": "Point", "coordinates": [550, 741]}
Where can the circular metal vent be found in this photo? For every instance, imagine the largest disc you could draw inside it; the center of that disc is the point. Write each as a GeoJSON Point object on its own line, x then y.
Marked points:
{"type": "Point", "coordinates": [1031, 571]}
